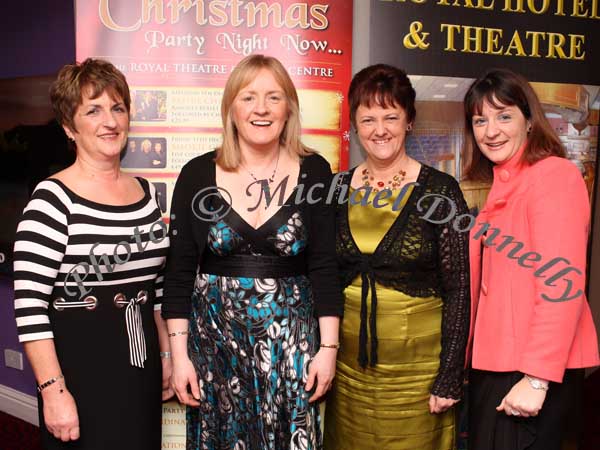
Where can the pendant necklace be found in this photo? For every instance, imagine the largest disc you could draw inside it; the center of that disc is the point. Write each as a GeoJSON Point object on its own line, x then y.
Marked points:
{"type": "Point", "coordinates": [265, 183]}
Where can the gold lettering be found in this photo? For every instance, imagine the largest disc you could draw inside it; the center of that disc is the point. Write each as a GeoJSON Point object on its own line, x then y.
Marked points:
{"type": "Point", "coordinates": [263, 14]}
{"type": "Point", "coordinates": [560, 8]}
{"type": "Point", "coordinates": [579, 9]}
{"type": "Point", "coordinates": [576, 41]}
{"type": "Point", "coordinates": [594, 14]}
{"type": "Point", "coordinates": [542, 10]}
{"type": "Point", "coordinates": [319, 19]}
{"type": "Point", "coordinates": [493, 34]}
{"type": "Point", "coordinates": [445, 3]}
{"type": "Point", "coordinates": [235, 11]}
{"type": "Point", "coordinates": [518, 8]}
{"type": "Point", "coordinates": [556, 46]}
{"type": "Point", "coordinates": [449, 35]}
{"type": "Point", "coordinates": [468, 39]}
{"type": "Point", "coordinates": [159, 13]}
{"type": "Point", "coordinates": [479, 5]}
{"type": "Point", "coordinates": [297, 16]}
{"type": "Point", "coordinates": [178, 5]}
{"type": "Point", "coordinates": [515, 44]}
{"type": "Point", "coordinates": [535, 42]}
{"type": "Point", "coordinates": [108, 21]}
{"type": "Point", "coordinates": [218, 14]}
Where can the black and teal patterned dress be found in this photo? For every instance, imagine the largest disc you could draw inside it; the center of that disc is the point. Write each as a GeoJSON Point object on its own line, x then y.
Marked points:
{"type": "Point", "coordinates": [252, 297]}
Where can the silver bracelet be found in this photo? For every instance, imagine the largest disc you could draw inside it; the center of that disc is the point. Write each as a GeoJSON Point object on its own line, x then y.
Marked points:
{"type": "Point", "coordinates": [178, 333]}
{"type": "Point", "coordinates": [165, 355]}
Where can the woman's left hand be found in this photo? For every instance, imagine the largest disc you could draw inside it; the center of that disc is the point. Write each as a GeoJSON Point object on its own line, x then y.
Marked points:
{"type": "Point", "coordinates": [321, 370]}
{"type": "Point", "coordinates": [439, 405]}
{"type": "Point", "coordinates": [522, 400]}
{"type": "Point", "coordinates": [167, 370]}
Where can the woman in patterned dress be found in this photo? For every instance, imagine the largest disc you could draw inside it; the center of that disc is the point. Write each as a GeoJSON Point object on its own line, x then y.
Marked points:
{"type": "Point", "coordinates": [88, 255]}
{"type": "Point", "coordinates": [252, 301]}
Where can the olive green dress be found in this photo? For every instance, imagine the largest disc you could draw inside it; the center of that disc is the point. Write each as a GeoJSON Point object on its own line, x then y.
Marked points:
{"type": "Point", "coordinates": [386, 407]}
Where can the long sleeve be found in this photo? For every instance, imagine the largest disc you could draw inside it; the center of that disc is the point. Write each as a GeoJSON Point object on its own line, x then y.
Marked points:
{"type": "Point", "coordinates": [559, 215]}
{"type": "Point", "coordinates": [40, 243]}
{"type": "Point", "coordinates": [453, 254]}
{"type": "Point", "coordinates": [322, 263]}
{"type": "Point", "coordinates": [187, 233]}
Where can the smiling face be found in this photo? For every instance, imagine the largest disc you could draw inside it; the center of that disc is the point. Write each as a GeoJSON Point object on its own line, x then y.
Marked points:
{"type": "Point", "coordinates": [499, 132]}
{"type": "Point", "coordinates": [102, 125]}
{"type": "Point", "coordinates": [382, 131]}
{"type": "Point", "coordinates": [259, 112]}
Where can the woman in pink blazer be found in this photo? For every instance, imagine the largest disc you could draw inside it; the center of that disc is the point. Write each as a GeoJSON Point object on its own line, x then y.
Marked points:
{"type": "Point", "coordinates": [531, 325]}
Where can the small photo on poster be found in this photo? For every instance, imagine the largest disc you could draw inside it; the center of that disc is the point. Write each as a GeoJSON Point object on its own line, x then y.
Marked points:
{"type": "Point", "coordinates": [149, 105]}
{"type": "Point", "coordinates": [161, 195]}
{"type": "Point", "coordinates": [145, 153]}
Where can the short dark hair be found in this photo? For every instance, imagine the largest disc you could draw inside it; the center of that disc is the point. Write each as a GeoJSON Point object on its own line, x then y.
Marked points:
{"type": "Point", "coordinates": [66, 93]}
{"type": "Point", "coordinates": [383, 85]}
{"type": "Point", "coordinates": [503, 87]}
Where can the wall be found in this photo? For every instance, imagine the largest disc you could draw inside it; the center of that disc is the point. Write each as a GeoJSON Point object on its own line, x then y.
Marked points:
{"type": "Point", "coordinates": [36, 39]}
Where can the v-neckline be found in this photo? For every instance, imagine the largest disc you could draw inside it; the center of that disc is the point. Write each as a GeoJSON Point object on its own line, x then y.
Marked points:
{"type": "Point", "coordinates": [260, 228]}
{"type": "Point", "coordinates": [403, 214]}
{"type": "Point", "coordinates": [284, 206]}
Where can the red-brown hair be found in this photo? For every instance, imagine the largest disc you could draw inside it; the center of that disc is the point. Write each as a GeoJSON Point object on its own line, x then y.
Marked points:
{"type": "Point", "coordinates": [502, 87]}
{"type": "Point", "coordinates": [97, 75]}
{"type": "Point", "coordinates": [383, 85]}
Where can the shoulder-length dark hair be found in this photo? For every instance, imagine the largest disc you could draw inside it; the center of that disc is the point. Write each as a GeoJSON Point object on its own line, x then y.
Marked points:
{"type": "Point", "coordinates": [502, 87]}
{"type": "Point", "coordinates": [382, 85]}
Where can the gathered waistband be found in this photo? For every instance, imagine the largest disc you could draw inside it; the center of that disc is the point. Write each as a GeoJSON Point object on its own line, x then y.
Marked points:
{"type": "Point", "coordinates": [253, 266]}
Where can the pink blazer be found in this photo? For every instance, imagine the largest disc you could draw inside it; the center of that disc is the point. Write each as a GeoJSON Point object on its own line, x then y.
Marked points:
{"type": "Point", "coordinates": [529, 312]}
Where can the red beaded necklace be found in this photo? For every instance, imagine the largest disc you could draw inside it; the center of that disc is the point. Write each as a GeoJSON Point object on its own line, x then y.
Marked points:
{"type": "Point", "coordinates": [394, 183]}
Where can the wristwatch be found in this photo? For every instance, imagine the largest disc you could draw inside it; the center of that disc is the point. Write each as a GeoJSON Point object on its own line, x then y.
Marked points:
{"type": "Point", "coordinates": [536, 383]}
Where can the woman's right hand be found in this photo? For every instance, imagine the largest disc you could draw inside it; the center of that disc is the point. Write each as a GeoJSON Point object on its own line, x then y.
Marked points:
{"type": "Point", "coordinates": [184, 375]}
{"type": "Point", "coordinates": [60, 413]}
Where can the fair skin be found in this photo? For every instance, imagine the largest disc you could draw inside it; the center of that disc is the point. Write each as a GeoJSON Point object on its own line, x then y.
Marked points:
{"type": "Point", "coordinates": [500, 133]}
{"type": "Point", "coordinates": [101, 127]}
{"type": "Point", "coordinates": [259, 112]}
{"type": "Point", "coordinates": [382, 134]}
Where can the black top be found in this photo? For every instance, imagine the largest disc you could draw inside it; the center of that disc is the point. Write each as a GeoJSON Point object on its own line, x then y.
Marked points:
{"type": "Point", "coordinates": [421, 259]}
{"type": "Point", "coordinates": [189, 230]}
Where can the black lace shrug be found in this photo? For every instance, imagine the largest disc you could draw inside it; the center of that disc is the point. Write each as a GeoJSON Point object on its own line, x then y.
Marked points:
{"type": "Point", "coordinates": [421, 259]}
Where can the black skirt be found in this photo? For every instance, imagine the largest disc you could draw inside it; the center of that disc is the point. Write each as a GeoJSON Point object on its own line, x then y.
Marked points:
{"type": "Point", "coordinates": [493, 430]}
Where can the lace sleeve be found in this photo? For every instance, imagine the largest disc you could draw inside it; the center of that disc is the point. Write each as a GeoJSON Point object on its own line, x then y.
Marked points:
{"type": "Point", "coordinates": [453, 257]}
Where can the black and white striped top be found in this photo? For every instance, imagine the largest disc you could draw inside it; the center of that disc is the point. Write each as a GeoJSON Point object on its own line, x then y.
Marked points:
{"type": "Point", "coordinates": [57, 233]}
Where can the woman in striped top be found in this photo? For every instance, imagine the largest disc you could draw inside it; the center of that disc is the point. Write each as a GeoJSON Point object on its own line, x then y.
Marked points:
{"type": "Point", "coordinates": [88, 254]}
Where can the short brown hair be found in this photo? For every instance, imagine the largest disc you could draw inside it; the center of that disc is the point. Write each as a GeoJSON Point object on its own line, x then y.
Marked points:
{"type": "Point", "coordinates": [502, 87]}
{"type": "Point", "coordinates": [228, 155]}
{"type": "Point", "coordinates": [95, 75]}
{"type": "Point", "coordinates": [384, 85]}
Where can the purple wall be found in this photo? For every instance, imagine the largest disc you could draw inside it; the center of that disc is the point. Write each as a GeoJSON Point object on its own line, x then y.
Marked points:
{"type": "Point", "coordinates": [36, 37]}
{"type": "Point", "coordinates": [20, 380]}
